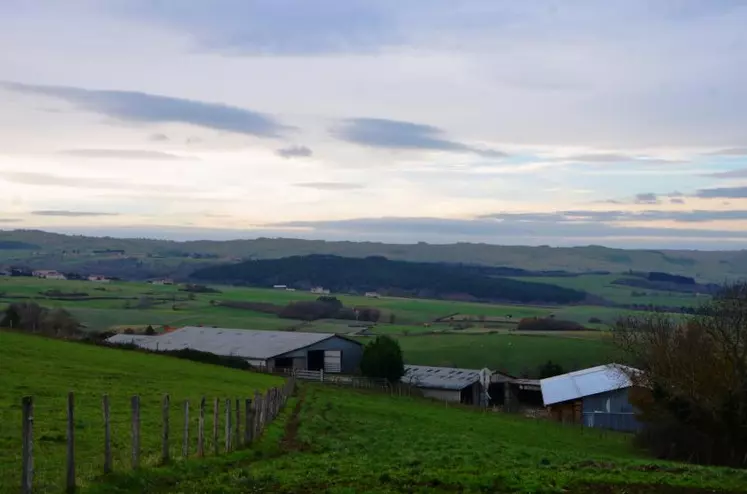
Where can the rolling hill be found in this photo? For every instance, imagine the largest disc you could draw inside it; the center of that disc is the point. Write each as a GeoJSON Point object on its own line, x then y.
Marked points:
{"type": "Point", "coordinates": [150, 257]}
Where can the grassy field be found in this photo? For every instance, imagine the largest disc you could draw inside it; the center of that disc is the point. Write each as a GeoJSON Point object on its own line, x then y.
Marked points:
{"type": "Point", "coordinates": [602, 286]}
{"type": "Point", "coordinates": [423, 341]}
{"type": "Point", "coordinates": [344, 442]}
{"type": "Point", "coordinates": [48, 369]}
{"type": "Point", "coordinates": [515, 354]}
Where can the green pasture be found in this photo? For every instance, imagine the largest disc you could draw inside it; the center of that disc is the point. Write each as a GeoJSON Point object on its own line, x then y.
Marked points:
{"type": "Point", "coordinates": [48, 369]}
{"type": "Point", "coordinates": [340, 441]}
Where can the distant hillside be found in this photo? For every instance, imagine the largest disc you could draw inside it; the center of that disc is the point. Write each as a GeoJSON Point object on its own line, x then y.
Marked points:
{"type": "Point", "coordinates": [706, 266]}
{"type": "Point", "coordinates": [351, 275]}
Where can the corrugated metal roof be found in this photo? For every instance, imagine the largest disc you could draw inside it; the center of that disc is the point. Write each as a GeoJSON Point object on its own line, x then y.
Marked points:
{"type": "Point", "coordinates": [440, 377]}
{"type": "Point", "coordinates": [245, 343]}
{"type": "Point", "coordinates": [585, 382]}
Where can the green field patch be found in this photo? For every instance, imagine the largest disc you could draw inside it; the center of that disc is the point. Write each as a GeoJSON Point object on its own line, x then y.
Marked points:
{"type": "Point", "coordinates": [349, 442]}
{"type": "Point", "coordinates": [48, 369]}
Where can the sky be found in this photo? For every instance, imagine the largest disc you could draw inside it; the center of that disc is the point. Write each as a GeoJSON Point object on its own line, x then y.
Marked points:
{"type": "Point", "coordinates": [570, 122]}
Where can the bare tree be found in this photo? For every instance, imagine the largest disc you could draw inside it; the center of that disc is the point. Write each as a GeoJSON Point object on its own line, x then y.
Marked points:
{"type": "Point", "coordinates": [692, 384]}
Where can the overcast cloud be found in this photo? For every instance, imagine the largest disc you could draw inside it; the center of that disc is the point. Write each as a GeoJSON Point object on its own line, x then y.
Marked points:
{"type": "Point", "coordinates": [483, 120]}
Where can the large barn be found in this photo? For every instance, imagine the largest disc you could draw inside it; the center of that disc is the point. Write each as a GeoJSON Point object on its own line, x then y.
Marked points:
{"type": "Point", "coordinates": [445, 383]}
{"type": "Point", "coordinates": [272, 350]}
{"type": "Point", "coordinates": [595, 397]}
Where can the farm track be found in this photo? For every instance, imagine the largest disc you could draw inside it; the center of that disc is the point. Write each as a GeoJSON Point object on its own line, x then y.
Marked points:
{"type": "Point", "coordinates": [289, 441]}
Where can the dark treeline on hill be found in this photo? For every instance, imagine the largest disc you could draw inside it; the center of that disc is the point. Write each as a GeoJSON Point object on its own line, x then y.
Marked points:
{"type": "Point", "coordinates": [353, 275]}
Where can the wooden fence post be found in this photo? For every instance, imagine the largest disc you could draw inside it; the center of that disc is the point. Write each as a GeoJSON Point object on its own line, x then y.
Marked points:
{"type": "Point", "coordinates": [70, 477]}
{"type": "Point", "coordinates": [185, 438]}
{"type": "Point", "coordinates": [201, 430]}
{"type": "Point", "coordinates": [248, 420]}
{"type": "Point", "coordinates": [107, 437]}
{"type": "Point", "coordinates": [228, 425]}
{"type": "Point", "coordinates": [165, 432]}
{"type": "Point", "coordinates": [216, 406]}
{"type": "Point", "coordinates": [237, 441]}
{"type": "Point", "coordinates": [27, 432]}
{"type": "Point", "coordinates": [135, 402]}
{"type": "Point", "coordinates": [257, 413]}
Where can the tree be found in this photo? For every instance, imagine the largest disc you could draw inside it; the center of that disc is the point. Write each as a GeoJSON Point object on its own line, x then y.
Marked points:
{"type": "Point", "coordinates": [30, 316]}
{"type": "Point", "coordinates": [382, 359]}
{"type": "Point", "coordinates": [150, 331]}
{"type": "Point", "coordinates": [691, 390]}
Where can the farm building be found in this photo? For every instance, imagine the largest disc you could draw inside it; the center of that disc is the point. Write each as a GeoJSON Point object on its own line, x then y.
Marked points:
{"type": "Point", "coordinates": [49, 274]}
{"type": "Point", "coordinates": [595, 397]}
{"type": "Point", "coordinates": [445, 383]}
{"type": "Point", "coordinates": [464, 386]}
{"type": "Point", "coordinates": [99, 278]}
{"type": "Point", "coordinates": [272, 350]}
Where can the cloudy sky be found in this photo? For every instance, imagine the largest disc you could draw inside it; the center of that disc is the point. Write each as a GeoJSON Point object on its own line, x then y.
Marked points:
{"type": "Point", "coordinates": [568, 122]}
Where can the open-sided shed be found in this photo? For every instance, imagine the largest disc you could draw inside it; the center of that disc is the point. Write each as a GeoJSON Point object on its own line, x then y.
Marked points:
{"type": "Point", "coordinates": [595, 397]}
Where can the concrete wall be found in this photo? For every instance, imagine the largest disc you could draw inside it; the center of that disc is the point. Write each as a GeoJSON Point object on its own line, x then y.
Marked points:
{"type": "Point", "coordinates": [450, 395]}
{"type": "Point", "coordinates": [351, 352]}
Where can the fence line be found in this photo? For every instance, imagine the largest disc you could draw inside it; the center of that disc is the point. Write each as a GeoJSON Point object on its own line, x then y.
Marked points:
{"type": "Point", "coordinates": [259, 412]}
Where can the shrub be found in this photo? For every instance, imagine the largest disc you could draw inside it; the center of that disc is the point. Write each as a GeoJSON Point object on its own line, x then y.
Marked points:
{"type": "Point", "coordinates": [550, 369]}
{"type": "Point", "coordinates": [382, 359]}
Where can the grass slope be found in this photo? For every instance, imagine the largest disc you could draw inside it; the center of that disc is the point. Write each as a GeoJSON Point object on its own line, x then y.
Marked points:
{"type": "Point", "coordinates": [341, 441]}
{"type": "Point", "coordinates": [48, 369]}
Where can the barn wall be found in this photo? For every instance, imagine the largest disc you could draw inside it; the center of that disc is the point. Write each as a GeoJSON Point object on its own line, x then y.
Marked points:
{"type": "Point", "coordinates": [450, 395]}
{"type": "Point", "coordinates": [351, 352]}
{"type": "Point", "coordinates": [610, 410]}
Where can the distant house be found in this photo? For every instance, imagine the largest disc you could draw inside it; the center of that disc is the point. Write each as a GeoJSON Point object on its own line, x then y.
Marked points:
{"type": "Point", "coordinates": [49, 274]}
{"type": "Point", "coordinates": [595, 397]}
{"type": "Point", "coordinates": [162, 281]}
{"type": "Point", "coordinates": [280, 287]}
{"type": "Point", "coordinates": [272, 350]}
{"type": "Point", "coordinates": [99, 278]}
{"type": "Point", "coordinates": [320, 290]}
{"type": "Point", "coordinates": [372, 295]}
{"type": "Point", "coordinates": [290, 289]}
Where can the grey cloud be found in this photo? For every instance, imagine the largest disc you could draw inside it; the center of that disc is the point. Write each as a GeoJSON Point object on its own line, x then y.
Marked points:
{"type": "Point", "coordinates": [52, 180]}
{"type": "Point", "coordinates": [742, 173]}
{"type": "Point", "coordinates": [294, 152]}
{"type": "Point", "coordinates": [10, 220]}
{"type": "Point", "coordinates": [730, 152]}
{"type": "Point", "coordinates": [123, 154]}
{"type": "Point", "coordinates": [617, 158]}
{"type": "Point", "coordinates": [280, 27]}
{"type": "Point", "coordinates": [646, 198]}
{"type": "Point", "coordinates": [582, 216]}
{"type": "Point", "coordinates": [395, 134]}
{"type": "Point", "coordinates": [150, 108]}
{"type": "Point", "coordinates": [723, 193]}
{"type": "Point", "coordinates": [159, 137]}
{"type": "Point", "coordinates": [489, 230]}
{"type": "Point", "coordinates": [330, 185]}
{"type": "Point", "coordinates": [71, 214]}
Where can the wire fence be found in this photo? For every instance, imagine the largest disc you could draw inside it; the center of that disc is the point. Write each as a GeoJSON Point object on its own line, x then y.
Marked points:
{"type": "Point", "coordinates": [58, 443]}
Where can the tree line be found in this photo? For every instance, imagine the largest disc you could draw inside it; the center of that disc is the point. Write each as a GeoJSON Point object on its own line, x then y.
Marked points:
{"type": "Point", "coordinates": [360, 275]}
